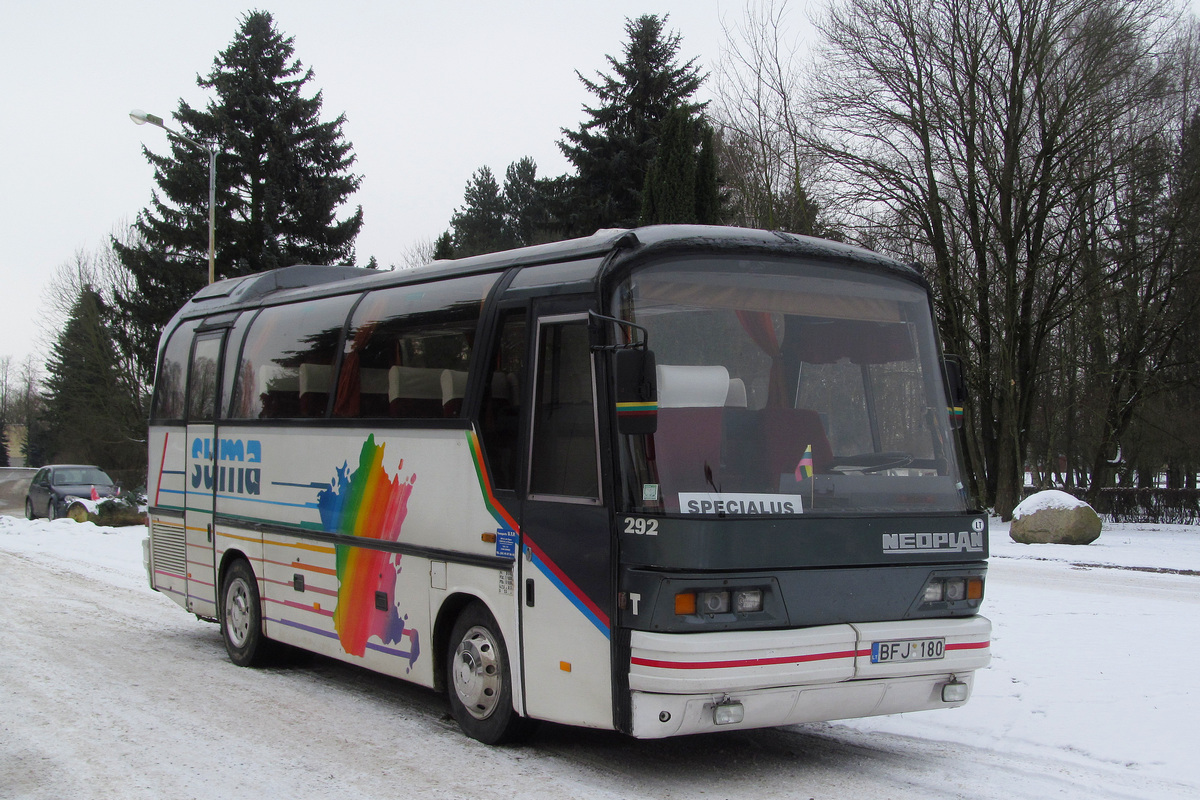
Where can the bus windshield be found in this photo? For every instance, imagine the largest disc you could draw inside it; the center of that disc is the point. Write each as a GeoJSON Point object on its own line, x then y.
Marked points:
{"type": "Point", "coordinates": [788, 388]}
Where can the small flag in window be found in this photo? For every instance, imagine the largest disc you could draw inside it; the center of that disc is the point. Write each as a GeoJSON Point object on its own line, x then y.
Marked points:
{"type": "Point", "coordinates": [805, 468]}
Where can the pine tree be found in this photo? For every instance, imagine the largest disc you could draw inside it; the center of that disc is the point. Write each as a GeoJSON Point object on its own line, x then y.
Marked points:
{"type": "Point", "coordinates": [708, 189]}
{"type": "Point", "coordinates": [443, 248]}
{"type": "Point", "coordinates": [479, 226]}
{"type": "Point", "coordinates": [612, 150]}
{"type": "Point", "coordinates": [525, 203]}
{"type": "Point", "coordinates": [92, 413]}
{"type": "Point", "coordinates": [282, 174]}
{"type": "Point", "coordinates": [670, 191]}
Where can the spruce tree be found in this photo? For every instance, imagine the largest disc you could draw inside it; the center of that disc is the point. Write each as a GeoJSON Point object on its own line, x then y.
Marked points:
{"type": "Point", "coordinates": [525, 203]}
{"type": "Point", "coordinates": [669, 195]}
{"type": "Point", "coordinates": [92, 410]}
{"type": "Point", "coordinates": [613, 148]}
{"type": "Point", "coordinates": [708, 189]}
{"type": "Point", "coordinates": [282, 175]}
{"type": "Point", "coordinates": [479, 226]}
{"type": "Point", "coordinates": [443, 247]}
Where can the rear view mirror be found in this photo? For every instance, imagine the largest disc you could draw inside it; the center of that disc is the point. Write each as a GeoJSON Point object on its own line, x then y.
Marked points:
{"type": "Point", "coordinates": [637, 391]}
{"type": "Point", "coordinates": [958, 389]}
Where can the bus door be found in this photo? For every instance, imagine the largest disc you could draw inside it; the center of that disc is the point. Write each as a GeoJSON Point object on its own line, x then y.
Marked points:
{"type": "Point", "coordinates": [564, 568]}
{"type": "Point", "coordinates": [201, 463]}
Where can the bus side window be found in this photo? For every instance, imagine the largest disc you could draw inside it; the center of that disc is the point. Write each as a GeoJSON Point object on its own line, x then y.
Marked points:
{"type": "Point", "coordinates": [287, 364]}
{"type": "Point", "coordinates": [169, 383]}
{"type": "Point", "coordinates": [408, 350]}
{"type": "Point", "coordinates": [202, 381]}
{"type": "Point", "coordinates": [233, 349]}
{"type": "Point", "coordinates": [499, 419]}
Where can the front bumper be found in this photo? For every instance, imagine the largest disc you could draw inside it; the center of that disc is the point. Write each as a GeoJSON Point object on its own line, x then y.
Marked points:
{"type": "Point", "coordinates": [788, 677]}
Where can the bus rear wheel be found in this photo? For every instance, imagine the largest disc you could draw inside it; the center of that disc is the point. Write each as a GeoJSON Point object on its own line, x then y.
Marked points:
{"type": "Point", "coordinates": [479, 681]}
{"type": "Point", "coordinates": [241, 616]}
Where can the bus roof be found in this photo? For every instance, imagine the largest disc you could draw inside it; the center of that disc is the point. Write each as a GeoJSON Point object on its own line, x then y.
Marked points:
{"type": "Point", "coordinates": [289, 284]}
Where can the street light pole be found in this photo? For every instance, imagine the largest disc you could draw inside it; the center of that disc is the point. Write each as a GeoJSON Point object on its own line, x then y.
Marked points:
{"type": "Point", "coordinates": [141, 118]}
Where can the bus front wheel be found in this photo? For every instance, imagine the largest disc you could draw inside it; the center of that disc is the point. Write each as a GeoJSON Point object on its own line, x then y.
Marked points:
{"type": "Point", "coordinates": [479, 682]}
{"type": "Point", "coordinates": [241, 616]}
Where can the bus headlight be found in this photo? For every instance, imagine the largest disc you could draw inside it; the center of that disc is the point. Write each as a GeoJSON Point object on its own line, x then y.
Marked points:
{"type": "Point", "coordinates": [953, 589]}
{"type": "Point", "coordinates": [719, 601]}
{"type": "Point", "coordinates": [956, 589]}
{"type": "Point", "coordinates": [747, 600]}
{"type": "Point", "coordinates": [713, 602]}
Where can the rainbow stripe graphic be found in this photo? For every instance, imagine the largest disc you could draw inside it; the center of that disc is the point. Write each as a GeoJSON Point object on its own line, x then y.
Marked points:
{"type": "Point", "coordinates": [538, 558]}
{"type": "Point", "coordinates": [369, 504]}
{"type": "Point", "coordinates": [498, 512]}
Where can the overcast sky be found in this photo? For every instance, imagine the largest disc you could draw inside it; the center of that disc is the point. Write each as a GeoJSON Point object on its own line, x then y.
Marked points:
{"type": "Point", "coordinates": [431, 90]}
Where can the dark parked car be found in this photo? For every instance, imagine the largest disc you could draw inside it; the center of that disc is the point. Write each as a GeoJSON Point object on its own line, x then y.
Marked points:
{"type": "Point", "coordinates": [52, 485]}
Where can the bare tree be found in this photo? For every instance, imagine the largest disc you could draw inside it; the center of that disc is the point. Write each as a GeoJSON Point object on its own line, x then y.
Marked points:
{"type": "Point", "coordinates": [765, 165]}
{"type": "Point", "coordinates": [417, 254]}
{"type": "Point", "coordinates": [978, 135]}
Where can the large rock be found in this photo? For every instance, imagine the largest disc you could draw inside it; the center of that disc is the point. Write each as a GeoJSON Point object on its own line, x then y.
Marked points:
{"type": "Point", "coordinates": [1054, 517]}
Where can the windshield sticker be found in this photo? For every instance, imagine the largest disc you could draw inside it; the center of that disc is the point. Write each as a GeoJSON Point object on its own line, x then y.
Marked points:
{"type": "Point", "coordinates": [737, 503]}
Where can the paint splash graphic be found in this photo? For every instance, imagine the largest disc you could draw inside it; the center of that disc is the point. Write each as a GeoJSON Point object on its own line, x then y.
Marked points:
{"type": "Point", "coordinates": [369, 504]}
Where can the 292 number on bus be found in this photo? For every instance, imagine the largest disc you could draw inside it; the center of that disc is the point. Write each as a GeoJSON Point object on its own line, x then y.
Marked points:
{"type": "Point", "coordinates": [907, 650]}
{"type": "Point", "coordinates": [641, 526]}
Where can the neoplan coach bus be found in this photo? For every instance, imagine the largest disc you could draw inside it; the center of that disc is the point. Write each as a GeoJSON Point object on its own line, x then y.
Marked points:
{"type": "Point", "coordinates": [663, 481]}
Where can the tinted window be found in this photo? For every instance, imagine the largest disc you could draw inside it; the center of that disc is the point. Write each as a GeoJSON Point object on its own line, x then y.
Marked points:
{"type": "Point", "coordinates": [564, 460]}
{"type": "Point", "coordinates": [233, 347]}
{"type": "Point", "coordinates": [172, 372]}
{"type": "Point", "coordinates": [286, 369]}
{"type": "Point", "coordinates": [499, 420]}
{"type": "Point", "coordinates": [409, 349]}
{"type": "Point", "coordinates": [202, 382]}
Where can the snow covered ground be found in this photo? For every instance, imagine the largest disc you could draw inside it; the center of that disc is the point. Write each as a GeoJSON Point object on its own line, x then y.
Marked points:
{"type": "Point", "coordinates": [108, 689]}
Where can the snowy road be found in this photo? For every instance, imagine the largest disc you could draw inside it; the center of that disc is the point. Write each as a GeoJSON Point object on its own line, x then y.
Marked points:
{"type": "Point", "coordinates": [108, 690]}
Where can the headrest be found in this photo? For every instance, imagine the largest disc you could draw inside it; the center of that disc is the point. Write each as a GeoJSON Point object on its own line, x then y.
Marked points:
{"type": "Point", "coordinates": [414, 383]}
{"type": "Point", "coordinates": [454, 384]}
{"type": "Point", "coordinates": [736, 397]}
{"type": "Point", "coordinates": [692, 387]}
{"type": "Point", "coordinates": [314, 378]}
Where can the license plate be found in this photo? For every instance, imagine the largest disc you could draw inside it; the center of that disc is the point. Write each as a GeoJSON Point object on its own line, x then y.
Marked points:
{"type": "Point", "coordinates": [907, 650]}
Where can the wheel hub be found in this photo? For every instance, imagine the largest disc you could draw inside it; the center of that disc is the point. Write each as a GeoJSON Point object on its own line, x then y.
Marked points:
{"type": "Point", "coordinates": [476, 673]}
{"type": "Point", "coordinates": [237, 613]}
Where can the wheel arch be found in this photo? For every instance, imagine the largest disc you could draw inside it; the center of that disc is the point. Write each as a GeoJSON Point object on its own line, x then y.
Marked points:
{"type": "Point", "coordinates": [228, 557]}
{"type": "Point", "coordinates": [443, 624]}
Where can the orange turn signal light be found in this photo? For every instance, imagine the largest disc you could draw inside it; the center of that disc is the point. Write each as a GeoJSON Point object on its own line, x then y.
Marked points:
{"type": "Point", "coordinates": [685, 603]}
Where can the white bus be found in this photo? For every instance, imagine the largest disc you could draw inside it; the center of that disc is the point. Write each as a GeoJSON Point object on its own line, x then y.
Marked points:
{"type": "Point", "coordinates": [662, 481]}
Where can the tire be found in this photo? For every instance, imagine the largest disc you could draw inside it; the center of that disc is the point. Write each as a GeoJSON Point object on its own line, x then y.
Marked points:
{"type": "Point", "coordinates": [479, 681]}
{"type": "Point", "coordinates": [240, 616]}
{"type": "Point", "coordinates": [29, 512]}
{"type": "Point", "coordinates": [50, 515]}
